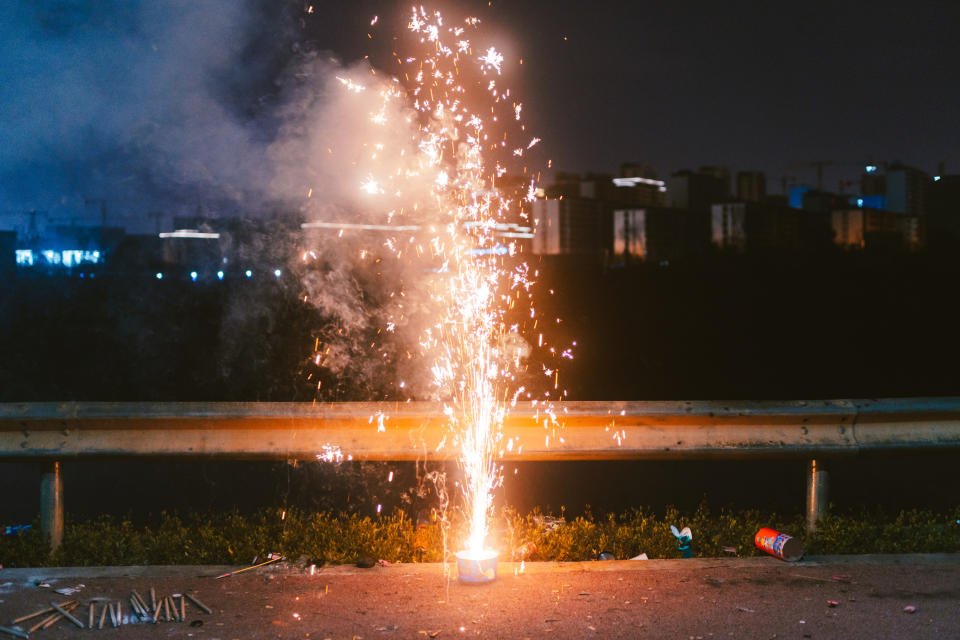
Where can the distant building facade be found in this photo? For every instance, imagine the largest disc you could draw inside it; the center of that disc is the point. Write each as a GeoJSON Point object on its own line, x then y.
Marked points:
{"type": "Point", "coordinates": [696, 191]}
{"type": "Point", "coordinates": [865, 228]}
{"type": "Point", "coordinates": [68, 247]}
{"type": "Point", "coordinates": [658, 234]}
{"type": "Point", "coordinates": [569, 226]}
{"type": "Point", "coordinates": [751, 186]}
{"type": "Point", "coordinates": [751, 226]}
{"type": "Point", "coordinates": [943, 212]}
{"type": "Point", "coordinates": [906, 190]}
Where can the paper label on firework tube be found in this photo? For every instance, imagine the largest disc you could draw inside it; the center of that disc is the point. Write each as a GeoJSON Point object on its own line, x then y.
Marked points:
{"type": "Point", "coordinates": [779, 545]}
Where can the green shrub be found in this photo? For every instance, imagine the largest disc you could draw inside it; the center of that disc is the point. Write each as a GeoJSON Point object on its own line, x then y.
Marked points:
{"type": "Point", "coordinates": [324, 537]}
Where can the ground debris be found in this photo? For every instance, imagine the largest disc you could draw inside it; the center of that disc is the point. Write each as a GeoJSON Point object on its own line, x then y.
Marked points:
{"type": "Point", "coordinates": [69, 591]}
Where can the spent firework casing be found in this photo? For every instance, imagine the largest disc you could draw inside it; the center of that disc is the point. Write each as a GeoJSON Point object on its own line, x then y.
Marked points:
{"type": "Point", "coordinates": [779, 545]}
{"type": "Point", "coordinates": [477, 567]}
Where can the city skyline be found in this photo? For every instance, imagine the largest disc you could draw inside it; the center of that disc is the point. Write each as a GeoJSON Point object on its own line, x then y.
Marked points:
{"type": "Point", "coordinates": [748, 87]}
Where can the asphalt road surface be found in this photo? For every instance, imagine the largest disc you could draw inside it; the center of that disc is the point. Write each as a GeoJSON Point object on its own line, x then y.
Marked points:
{"type": "Point", "coordinates": [821, 597]}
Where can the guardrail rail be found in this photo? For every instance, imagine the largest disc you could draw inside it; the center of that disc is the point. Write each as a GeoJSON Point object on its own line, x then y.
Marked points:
{"type": "Point", "coordinates": [814, 430]}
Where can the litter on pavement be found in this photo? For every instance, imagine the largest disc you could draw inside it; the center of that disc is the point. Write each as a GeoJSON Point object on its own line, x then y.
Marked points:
{"type": "Point", "coordinates": [683, 537]}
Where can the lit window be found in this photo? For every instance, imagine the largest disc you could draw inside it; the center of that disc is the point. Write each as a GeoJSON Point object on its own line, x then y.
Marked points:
{"type": "Point", "coordinates": [71, 258]}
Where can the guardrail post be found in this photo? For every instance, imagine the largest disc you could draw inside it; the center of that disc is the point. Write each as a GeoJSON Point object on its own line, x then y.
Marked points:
{"type": "Point", "coordinates": [818, 489]}
{"type": "Point", "coordinates": [51, 505]}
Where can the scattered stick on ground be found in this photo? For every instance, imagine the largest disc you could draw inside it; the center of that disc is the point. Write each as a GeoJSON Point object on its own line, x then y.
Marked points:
{"type": "Point", "coordinates": [199, 604]}
{"type": "Point", "coordinates": [66, 614]}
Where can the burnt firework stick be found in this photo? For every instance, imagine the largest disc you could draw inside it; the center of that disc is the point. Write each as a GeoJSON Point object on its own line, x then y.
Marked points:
{"type": "Point", "coordinates": [46, 621]}
{"type": "Point", "coordinates": [137, 605]}
{"type": "Point", "coordinates": [153, 598]}
{"type": "Point", "coordinates": [90, 618]}
{"type": "Point", "coordinates": [67, 615]}
{"type": "Point", "coordinates": [156, 613]}
{"type": "Point", "coordinates": [204, 607]}
{"type": "Point", "coordinates": [119, 612]}
{"type": "Point", "coordinates": [141, 602]}
{"type": "Point", "coordinates": [14, 632]}
{"type": "Point", "coordinates": [55, 618]}
{"type": "Point", "coordinates": [103, 617]}
{"type": "Point", "coordinates": [41, 612]}
{"type": "Point", "coordinates": [183, 609]}
{"type": "Point", "coordinates": [113, 615]}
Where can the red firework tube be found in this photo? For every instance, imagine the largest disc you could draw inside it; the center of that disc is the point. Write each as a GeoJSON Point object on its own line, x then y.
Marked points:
{"type": "Point", "coordinates": [779, 545]}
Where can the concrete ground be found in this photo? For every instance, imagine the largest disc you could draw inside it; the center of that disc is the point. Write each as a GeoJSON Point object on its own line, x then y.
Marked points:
{"type": "Point", "coordinates": [819, 597]}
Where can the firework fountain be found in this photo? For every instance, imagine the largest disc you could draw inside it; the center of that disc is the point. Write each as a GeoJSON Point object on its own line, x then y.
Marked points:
{"type": "Point", "coordinates": [474, 351]}
{"type": "Point", "coordinates": [444, 190]}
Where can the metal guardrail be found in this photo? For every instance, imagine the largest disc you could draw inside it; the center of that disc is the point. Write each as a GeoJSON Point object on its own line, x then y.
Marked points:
{"type": "Point", "coordinates": [390, 431]}
{"type": "Point", "coordinates": [814, 430]}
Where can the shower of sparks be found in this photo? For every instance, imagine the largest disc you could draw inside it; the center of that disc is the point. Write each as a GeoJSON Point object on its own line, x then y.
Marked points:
{"type": "Point", "coordinates": [447, 185]}
{"type": "Point", "coordinates": [470, 347]}
{"type": "Point", "coordinates": [493, 58]}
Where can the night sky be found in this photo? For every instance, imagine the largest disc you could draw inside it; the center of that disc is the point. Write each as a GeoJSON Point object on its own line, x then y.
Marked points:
{"type": "Point", "coordinates": [752, 85]}
{"type": "Point", "coordinates": [164, 105]}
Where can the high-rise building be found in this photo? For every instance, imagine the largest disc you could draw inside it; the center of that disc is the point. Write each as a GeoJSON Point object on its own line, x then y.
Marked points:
{"type": "Point", "coordinates": [751, 186]}
{"type": "Point", "coordinates": [564, 226]}
{"type": "Point", "coordinates": [638, 170]}
{"type": "Point", "coordinates": [638, 191]}
{"type": "Point", "coordinates": [751, 226]}
{"type": "Point", "coordinates": [906, 190]}
{"type": "Point", "coordinates": [658, 234]}
{"type": "Point", "coordinates": [943, 212]}
{"type": "Point", "coordinates": [873, 182]}
{"type": "Point", "coordinates": [721, 174]}
{"type": "Point", "coordinates": [696, 191]}
{"type": "Point", "coordinates": [865, 228]}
